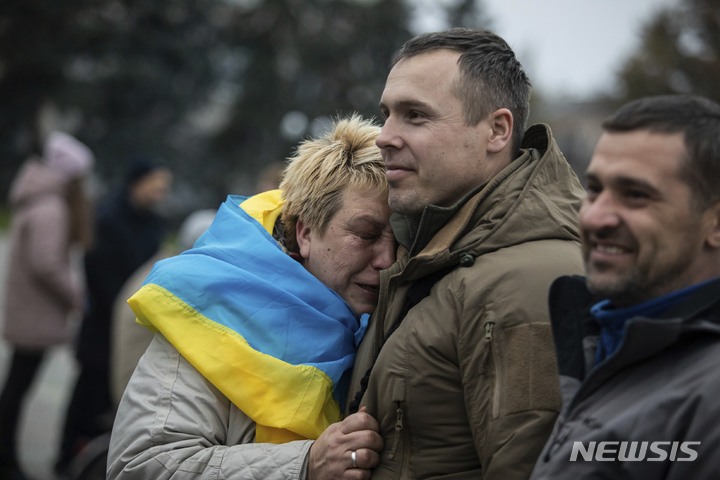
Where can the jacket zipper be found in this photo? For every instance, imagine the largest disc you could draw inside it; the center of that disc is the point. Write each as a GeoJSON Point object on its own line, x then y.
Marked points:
{"type": "Point", "coordinates": [489, 331]}
{"type": "Point", "coordinates": [398, 431]}
{"type": "Point", "coordinates": [405, 469]}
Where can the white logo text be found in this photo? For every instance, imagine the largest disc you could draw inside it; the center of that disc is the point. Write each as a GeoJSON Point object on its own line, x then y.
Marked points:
{"type": "Point", "coordinates": [634, 451]}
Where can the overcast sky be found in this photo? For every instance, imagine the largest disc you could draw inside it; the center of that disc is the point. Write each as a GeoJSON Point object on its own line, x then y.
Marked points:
{"type": "Point", "coordinates": [568, 47]}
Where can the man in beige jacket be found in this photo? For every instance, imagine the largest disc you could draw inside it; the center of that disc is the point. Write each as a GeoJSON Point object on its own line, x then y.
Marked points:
{"type": "Point", "coordinates": [464, 381]}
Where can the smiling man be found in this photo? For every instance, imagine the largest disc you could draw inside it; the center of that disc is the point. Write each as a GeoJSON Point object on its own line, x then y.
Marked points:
{"type": "Point", "coordinates": [464, 383]}
{"type": "Point", "coordinates": [638, 340]}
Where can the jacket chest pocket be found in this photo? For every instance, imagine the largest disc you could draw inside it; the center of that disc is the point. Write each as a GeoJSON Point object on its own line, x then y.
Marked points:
{"type": "Point", "coordinates": [525, 369]}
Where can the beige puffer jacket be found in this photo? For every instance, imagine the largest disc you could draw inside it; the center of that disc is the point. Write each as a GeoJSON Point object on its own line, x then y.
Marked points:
{"type": "Point", "coordinates": [173, 423]}
{"type": "Point", "coordinates": [467, 386]}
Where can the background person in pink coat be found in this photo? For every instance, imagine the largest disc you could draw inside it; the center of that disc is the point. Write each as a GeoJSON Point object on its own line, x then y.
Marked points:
{"type": "Point", "coordinates": [49, 217]}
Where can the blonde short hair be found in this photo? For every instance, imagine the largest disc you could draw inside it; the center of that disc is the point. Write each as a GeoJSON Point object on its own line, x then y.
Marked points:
{"type": "Point", "coordinates": [323, 168]}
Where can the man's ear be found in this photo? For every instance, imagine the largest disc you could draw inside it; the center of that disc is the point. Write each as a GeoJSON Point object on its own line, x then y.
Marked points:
{"type": "Point", "coordinates": [304, 238]}
{"type": "Point", "coordinates": [501, 125]}
{"type": "Point", "coordinates": [713, 233]}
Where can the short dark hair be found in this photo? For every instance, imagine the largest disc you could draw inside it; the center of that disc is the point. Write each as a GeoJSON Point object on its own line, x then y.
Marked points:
{"type": "Point", "coordinates": [490, 75]}
{"type": "Point", "coordinates": [698, 119]}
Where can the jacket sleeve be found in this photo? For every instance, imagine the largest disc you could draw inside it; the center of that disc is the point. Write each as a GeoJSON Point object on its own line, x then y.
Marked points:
{"type": "Point", "coordinates": [48, 238]}
{"type": "Point", "coordinates": [513, 404]}
{"type": "Point", "coordinates": [700, 435]}
{"type": "Point", "coordinates": [173, 424]}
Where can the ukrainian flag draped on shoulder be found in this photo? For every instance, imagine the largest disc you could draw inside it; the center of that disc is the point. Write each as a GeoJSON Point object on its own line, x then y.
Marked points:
{"type": "Point", "coordinates": [263, 330]}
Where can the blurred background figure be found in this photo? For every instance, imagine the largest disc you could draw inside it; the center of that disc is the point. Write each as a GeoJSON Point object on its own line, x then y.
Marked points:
{"type": "Point", "coordinates": [128, 233]}
{"type": "Point", "coordinates": [49, 217]}
{"type": "Point", "coordinates": [128, 339]}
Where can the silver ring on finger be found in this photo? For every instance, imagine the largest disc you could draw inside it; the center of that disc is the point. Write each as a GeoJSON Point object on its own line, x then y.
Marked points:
{"type": "Point", "coordinates": [353, 457]}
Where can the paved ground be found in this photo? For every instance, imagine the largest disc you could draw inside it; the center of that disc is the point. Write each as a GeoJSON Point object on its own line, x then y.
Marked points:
{"type": "Point", "coordinates": [45, 404]}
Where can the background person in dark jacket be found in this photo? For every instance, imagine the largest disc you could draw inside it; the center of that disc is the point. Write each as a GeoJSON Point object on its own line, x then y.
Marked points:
{"type": "Point", "coordinates": [638, 341]}
{"type": "Point", "coordinates": [49, 219]}
{"type": "Point", "coordinates": [128, 232]}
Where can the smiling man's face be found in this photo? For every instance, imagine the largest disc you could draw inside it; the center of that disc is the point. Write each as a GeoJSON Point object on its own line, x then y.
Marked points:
{"type": "Point", "coordinates": [432, 156]}
{"type": "Point", "coordinates": [642, 235]}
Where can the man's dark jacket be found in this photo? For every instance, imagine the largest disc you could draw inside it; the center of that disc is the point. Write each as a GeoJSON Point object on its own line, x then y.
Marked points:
{"type": "Point", "coordinates": [655, 399]}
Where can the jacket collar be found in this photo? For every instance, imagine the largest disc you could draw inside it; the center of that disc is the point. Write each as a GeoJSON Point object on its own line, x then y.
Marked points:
{"type": "Point", "coordinates": [572, 326]}
{"type": "Point", "coordinates": [414, 232]}
{"type": "Point", "coordinates": [537, 186]}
